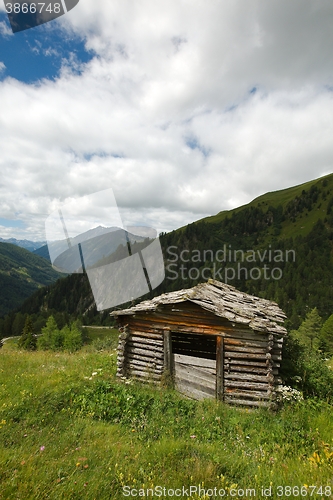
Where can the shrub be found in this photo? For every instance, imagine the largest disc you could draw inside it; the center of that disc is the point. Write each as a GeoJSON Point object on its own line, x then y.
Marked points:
{"type": "Point", "coordinates": [28, 337]}
{"type": "Point", "coordinates": [69, 337]}
{"type": "Point", "coordinates": [104, 344]}
{"type": "Point", "coordinates": [303, 368]}
{"type": "Point", "coordinates": [72, 337]}
{"type": "Point", "coordinates": [50, 335]}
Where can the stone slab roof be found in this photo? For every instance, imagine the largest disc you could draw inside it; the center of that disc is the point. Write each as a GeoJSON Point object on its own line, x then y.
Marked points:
{"type": "Point", "coordinates": [222, 300]}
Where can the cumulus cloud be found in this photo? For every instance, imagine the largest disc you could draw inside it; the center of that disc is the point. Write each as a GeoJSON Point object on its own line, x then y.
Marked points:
{"type": "Point", "coordinates": [186, 109]}
{"type": "Point", "coordinates": [5, 31]}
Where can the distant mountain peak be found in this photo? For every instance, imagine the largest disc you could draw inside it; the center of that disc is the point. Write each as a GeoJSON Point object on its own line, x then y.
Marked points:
{"type": "Point", "coordinates": [27, 244]}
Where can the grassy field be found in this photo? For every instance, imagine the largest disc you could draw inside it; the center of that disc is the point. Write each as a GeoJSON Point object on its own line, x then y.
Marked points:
{"type": "Point", "coordinates": [305, 221]}
{"type": "Point", "coordinates": [69, 430]}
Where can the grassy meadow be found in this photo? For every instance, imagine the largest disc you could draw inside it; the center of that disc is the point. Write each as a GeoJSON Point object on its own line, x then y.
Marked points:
{"type": "Point", "coordinates": [70, 430]}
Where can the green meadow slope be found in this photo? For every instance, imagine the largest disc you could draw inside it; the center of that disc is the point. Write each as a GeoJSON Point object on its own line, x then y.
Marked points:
{"type": "Point", "coordinates": [70, 430]}
{"type": "Point", "coordinates": [303, 206]}
{"type": "Point", "coordinates": [21, 273]}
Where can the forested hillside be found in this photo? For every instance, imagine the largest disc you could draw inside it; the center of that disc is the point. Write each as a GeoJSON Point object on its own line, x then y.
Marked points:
{"type": "Point", "coordinates": [280, 246]}
{"type": "Point", "coordinates": [21, 273]}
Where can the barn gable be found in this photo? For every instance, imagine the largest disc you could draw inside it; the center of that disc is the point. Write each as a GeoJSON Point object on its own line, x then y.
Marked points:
{"type": "Point", "coordinates": [214, 341]}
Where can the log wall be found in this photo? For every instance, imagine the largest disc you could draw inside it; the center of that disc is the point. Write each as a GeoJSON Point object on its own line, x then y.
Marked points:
{"type": "Point", "coordinates": [245, 363]}
{"type": "Point", "coordinates": [140, 355]}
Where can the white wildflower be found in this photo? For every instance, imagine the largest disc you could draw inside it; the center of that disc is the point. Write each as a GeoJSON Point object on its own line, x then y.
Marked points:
{"type": "Point", "coordinates": [288, 394]}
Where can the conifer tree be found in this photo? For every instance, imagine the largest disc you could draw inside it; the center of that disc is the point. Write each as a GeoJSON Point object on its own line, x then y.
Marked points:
{"type": "Point", "coordinates": [49, 333]}
{"type": "Point", "coordinates": [308, 332]}
{"type": "Point", "coordinates": [28, 338]}
{"type": "Point", "coordinates": [326, 336]}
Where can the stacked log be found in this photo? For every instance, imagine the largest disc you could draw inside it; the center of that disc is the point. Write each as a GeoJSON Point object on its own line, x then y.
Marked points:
{"type": "Point", "coordinates": [141, 355]}
{"type": "Point", "coordinates": [121, 350]}
{"type": "Point", "coordinates": [249, 371]}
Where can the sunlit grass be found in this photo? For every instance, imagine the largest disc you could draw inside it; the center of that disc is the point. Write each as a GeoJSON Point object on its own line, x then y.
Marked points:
{"type": "Point", "coordinates": [59, 438]}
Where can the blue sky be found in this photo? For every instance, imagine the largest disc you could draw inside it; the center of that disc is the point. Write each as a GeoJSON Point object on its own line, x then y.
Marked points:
{"type": "Point", "coordinates": [39, 52]}
{"type": "Point", "coordinates": [12, 223]}
{"type": "Point", "coordinates": [183, 109]}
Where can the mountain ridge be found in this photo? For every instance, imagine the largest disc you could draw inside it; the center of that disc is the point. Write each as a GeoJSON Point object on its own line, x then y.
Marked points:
{"type": "Point", "coordinates": [26, 244]}
{"type": "Point", "coordinates": [21, 273]}
{"type": "Point", "coordinates": [298, 218]}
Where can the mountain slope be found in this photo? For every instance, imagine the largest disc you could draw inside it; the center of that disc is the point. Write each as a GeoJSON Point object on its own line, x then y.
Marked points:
{"type": "Point", "coordinates": [27, 244]}
{"type": "Point", "coordinates": [298, 220]}
{"type": "Point", "coordinates": [302, 206]}
{"type": "Point", "coordinates": [281, 248]}
{"type": "Point", "coordinates": [43, 252]}
{"type": "Point", "coordinates": [21, 273]}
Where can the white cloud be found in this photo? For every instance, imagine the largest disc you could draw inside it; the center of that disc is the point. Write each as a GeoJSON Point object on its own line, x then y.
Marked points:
{"type": "Point", "coordinates": [5, 31]}
{"type": "Point", "coordinates": [163, 114]}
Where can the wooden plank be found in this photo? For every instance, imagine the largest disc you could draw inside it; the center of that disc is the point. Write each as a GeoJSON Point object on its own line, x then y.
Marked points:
{"type": "Point", "coordinates": [194, 361]}
{"type": "Point", "coordinates": [250, 350]}
{"type": "Point", "coordinates": [247, 377]}
{"type": "Point", "coordinates": [245, 343]}
{"type": "Point", "coordinates": [145, 348]}
{"type": "Point", "coordinates": [243, 355]}
{"type": "Point", "coordinates": [220, 368]}
{"type": "Point", "coordinates": [144, 374]}
{"type": "Point", "coordinates": [144, 352]}
{"type": "Point", "coordinates": [144, 366]}
{"type": "Point", "coordinates": [144, 361]}
{"type": "Point", "coordinates": [147, 335]}
{"type": "Point", "coordinates": [244, 362]}
{"type": "Point", "coordinates": [247, 394]}
{"type": "Point", "coordinates": [211, 372]}
{"type": "Point", "coordinates": [246, 334]}
{"type": "Point", "coordinates": [145, 341]}
{"type": "Point", "coordinates": [167, 347]}
{"type": "Point", "coordinates": [246, 385]}
{"type": "Point", "coordinates": [244, 402]}
{"type": "Point", "coordinates": [194, 392]}
{"type": "Point", "coordinates": [195, 375]}
{"type": "Point", "coordinates": [153, 323]}
{"type": "Point", "coordinates": [148, 347]}
{"type": "Point", "coordinates": [196, 384]}
{"type": "Point", "coordinates": [249, 369]}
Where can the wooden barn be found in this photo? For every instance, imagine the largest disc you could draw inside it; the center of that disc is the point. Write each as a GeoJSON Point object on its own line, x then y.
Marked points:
{"type": "Point", "coordinates": [212, 341]}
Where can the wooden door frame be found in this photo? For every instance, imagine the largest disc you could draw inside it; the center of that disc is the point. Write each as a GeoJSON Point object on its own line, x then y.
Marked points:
{"type": "Point", "coordinates": [220, 368]}
{"type": "Point", "coordinates": [169, 364]}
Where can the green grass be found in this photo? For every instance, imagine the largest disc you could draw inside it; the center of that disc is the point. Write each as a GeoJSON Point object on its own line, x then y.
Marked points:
{"type": "Point", "coordinates": [68, 434]}
{"type": "Point", "coordinates": [303, 225]}
{"type": "Point", "coordinates": [102, 339]}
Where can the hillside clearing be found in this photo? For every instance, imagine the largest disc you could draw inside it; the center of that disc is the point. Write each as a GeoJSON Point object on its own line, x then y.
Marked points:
{"type": "Point", "coordinates": [70, 431]}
